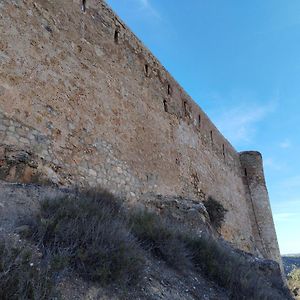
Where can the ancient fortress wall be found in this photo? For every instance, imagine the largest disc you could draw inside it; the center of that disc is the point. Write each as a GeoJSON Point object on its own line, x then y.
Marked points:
{"type": "Point", "coordinates": [85, 102]}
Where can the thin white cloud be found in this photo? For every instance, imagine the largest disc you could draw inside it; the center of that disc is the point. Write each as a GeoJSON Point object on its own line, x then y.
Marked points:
{"type": "Point", "coordinates": [272, 164]}
{"type": "Point", "coordinates": [136, 10]}
{"type": "Point", "coordinates": [145, 3]}
{"type": "Point", "coordinates": [292, 182]}
{"type": "Point", "coordinates": [280, 217]}
{"type": "Point", "coordinates": [240, 123]}
{"type": "Point", "coordinates": [292, 203]}
{"type": "Point", "coordinates": [285, 144]}
{"type": "Point", "coordinates": [295, 202]}
{"type": "Point", "coordinates": [147, 7]}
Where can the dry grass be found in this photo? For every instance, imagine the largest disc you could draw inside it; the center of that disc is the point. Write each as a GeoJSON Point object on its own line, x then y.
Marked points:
{"type": "Point", "coordinates": [22, 276]}
{"type": "Point", "coordinates": [184, 249]}
{"type": "Point", "coordinates": [89, 233]}
{"type": "Point", "coordinates": [162, 238]}
{"type": "Point", "coordinates": [294, 282]}
{"type": "Point", "coordinates": [234, 271]}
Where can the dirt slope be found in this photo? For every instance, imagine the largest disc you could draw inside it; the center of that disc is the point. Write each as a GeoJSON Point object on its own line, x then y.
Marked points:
{"type": "Point", "coordinates": [20, 201]}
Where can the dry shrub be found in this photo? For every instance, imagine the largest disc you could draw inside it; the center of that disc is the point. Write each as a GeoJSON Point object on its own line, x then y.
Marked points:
{"type": "Point", "coordinates": [162, 238]}
{"type": "Point", "coordinates": [87, 233]}
{"type": "Point", "coordinates": [22, 276]}
{"type": "Point", "coordinates": [294, 282]}
{"type": "Point", "coordinates": [216, 212]}
{"type": "Point", "coordinates": [235, 270]}
{"type": "Point", "coordinates": [91, 234]}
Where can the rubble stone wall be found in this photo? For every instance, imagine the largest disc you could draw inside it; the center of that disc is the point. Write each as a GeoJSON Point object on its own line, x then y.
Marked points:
{"type": "Point", "coordinates": [81, 94]}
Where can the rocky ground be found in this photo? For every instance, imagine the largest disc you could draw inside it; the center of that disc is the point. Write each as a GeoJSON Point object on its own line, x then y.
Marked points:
{"type": "Point", "coordinates": [291, 265]}
{"type": "Point", "coordinates": [19, 202]}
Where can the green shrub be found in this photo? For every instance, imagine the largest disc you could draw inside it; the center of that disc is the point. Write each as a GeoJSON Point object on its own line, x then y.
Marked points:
{"type": "Point", "coordinates": [216, 212]}
{"type": "Point", "coordinates": [162, 238]}
{"type": "Point", "coordinates": [88, 233]}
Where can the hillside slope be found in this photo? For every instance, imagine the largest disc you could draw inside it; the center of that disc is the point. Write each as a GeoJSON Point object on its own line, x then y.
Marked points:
{"type": "Point", "coordinates": [290, 262]}
{"type": "Point", "coordinates": [21, 204]}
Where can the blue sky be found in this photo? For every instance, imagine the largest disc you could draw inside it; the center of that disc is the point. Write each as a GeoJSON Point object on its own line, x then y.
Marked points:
{"type": "Point", "coordinates": [240, 61]}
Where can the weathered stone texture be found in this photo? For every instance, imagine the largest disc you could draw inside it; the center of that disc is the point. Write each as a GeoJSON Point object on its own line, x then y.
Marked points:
{"type": "Point", "coordinates": [80, 92]}
{"type": "Point", "coordinates": [259, 205]}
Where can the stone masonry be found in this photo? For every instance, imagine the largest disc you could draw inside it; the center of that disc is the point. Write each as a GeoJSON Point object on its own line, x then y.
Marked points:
{"type": "Point", "coordinates": [82, 101]}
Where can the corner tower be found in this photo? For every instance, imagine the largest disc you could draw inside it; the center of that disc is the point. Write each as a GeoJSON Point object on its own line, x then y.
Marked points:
{"type": "Point", "coordinates": [259, 205]}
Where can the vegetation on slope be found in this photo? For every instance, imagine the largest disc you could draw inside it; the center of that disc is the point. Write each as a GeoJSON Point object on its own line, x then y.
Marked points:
{"type": "Point", "coordinates": [90, 234]}
{"type": "Point", "coordinates": [216, 212]}
{"type": "Point", "coordinates": [22, 276]}
{"type": "Point", "coordinates": [294, 282]}
{"type": "Point", "coordinates": [230, 269]}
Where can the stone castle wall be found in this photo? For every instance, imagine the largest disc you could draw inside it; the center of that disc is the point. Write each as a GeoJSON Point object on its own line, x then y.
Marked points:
{"type": "Point", "coordinates": [258, 198]}
{"type": "Point", "coordinates": [81, 94]}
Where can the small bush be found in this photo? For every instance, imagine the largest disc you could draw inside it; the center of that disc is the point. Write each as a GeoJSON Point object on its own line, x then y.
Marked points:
{"type": "Point", "coordinates": [294, 282]}
{"type": "Point", "coordinates": [88, 233]}
{"type": "Point", "coordinates": [207, 254]}
{"type": "Point", "coordinates": [232, 270]}
{"type": "Point", "coordinates": [21, 276]}
{"type": "Point", "coordinates": [162, 238]}
{"type": "Point", "coordinates": [218, 261]}
{"type": "Point", "coordinates": [216, 212]}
